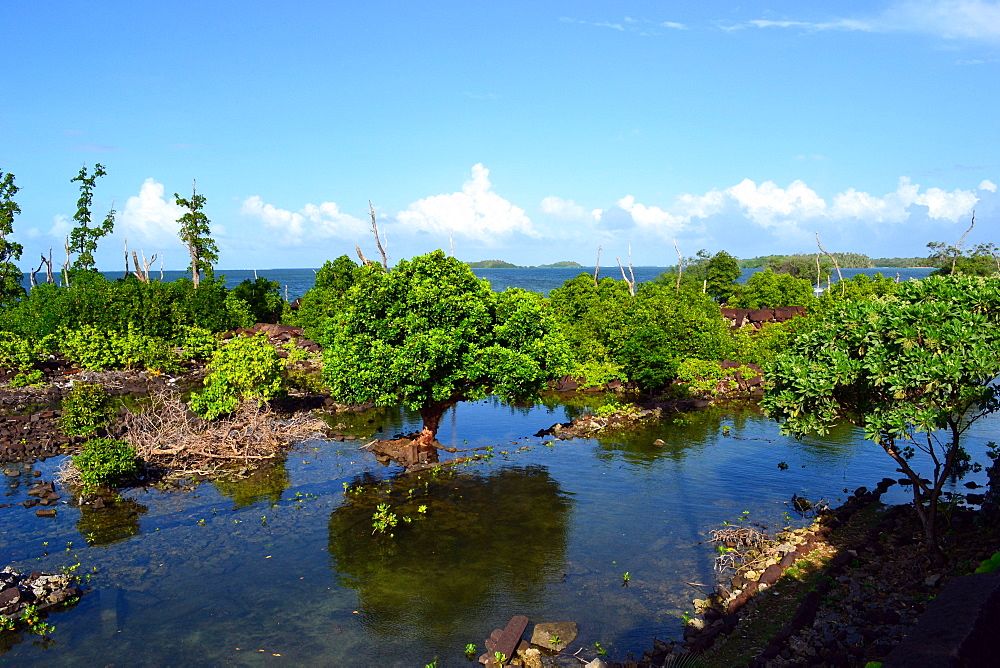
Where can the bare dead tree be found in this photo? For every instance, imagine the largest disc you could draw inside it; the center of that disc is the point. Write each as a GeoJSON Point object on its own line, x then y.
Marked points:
{"type": "Point", "coordinates": [597, 267]}
{"type": "Point", "coordinates": [34, 283]}
{"type": "Point", "coordinates": [125, 242]}
{"type": "Point", "coordinates": [378, 240]}
{"type": "Point", "coordinates": [840, 277]}
{"type": "Point", "coordinates": [65, 267]}
{"type": "Point", "coordinates": [49, 278]}
{"type": "Point", "coordinates": [161, 269]}
{"type": "Point", "coordinates": [365, 261]}
{"type": "Point", "coordinates": [680, 264]}
{"type": "Point", "coordinates": [451, 242]}
{"type": "Point", "coordinates": [142, 273]}
{"type": "Point", "coordinates": [630, 282]}
{"type": "Point", "coordinates": [958, 246]}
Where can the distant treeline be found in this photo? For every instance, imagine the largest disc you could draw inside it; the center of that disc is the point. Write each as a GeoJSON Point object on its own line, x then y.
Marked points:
{"type": "Point", "coordinates": [845, 260]}
{"type": "Point", "coordinates": [500, 264]}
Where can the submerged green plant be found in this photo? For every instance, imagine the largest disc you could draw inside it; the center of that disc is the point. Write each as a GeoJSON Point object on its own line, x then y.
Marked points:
{"type": "Point", "coordinates": [384, 521]}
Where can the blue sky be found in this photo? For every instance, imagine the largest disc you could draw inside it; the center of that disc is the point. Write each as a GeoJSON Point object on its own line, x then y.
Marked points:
{"type": "Point", "coordinates": [524, 131]}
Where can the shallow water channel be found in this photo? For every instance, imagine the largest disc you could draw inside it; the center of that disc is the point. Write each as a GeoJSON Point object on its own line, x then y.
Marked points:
{"type": "Point", "coordinates": [284, 568]}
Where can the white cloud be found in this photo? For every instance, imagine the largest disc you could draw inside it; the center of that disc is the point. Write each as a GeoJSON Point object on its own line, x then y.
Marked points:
{"type": "Point", "coordinates": [652, 217]}
{"type": "Point", "coordinates": [310, 222]}
{"type": "Point", "coordinates": [988, 185]}
{"type": "Point", "coordinates": [60, 226]}
{"type": "Point", "coordinates": [953, 19]}
{"type": "Point", "coordinates": [771, 206]}
{"type": "Point", "coordinates": [949, 19]}
{"type": "Point", "coordinates": [894, 207]}
{"type": "Point", "coordinates": [476, 212]}
{"type": "Point", "coordinates": [149, 217]}
{"type": "Point", "coordinates": [567, 209]}
{"type": "Point", "coordinates": [290, 225]}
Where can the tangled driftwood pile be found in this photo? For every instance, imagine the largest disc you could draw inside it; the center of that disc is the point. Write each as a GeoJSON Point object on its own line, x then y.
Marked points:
{"type": "Point", "coordinates": [168, 436]}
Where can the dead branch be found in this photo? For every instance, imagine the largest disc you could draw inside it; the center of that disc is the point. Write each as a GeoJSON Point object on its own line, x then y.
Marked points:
{"type": "Point", "coordinates": [168, 436]}
{"type": "Point", "coordinates": [840, 277]}
{"type": "Point", "coordinates": [631, 283]}
{"type": "Point", "coordinates": [680, 264]}
{"type": "Point", "coordinates": [65, 268]}
{"type": "Point", "coordinates": [33, 281]}
{"type": "Point", "coordinates": [49, 278]}
{"type": "Point", "coordinates": [958, 246]}
{"type": "Point", "coordinates": [378, 240]}
{"type": "Point", "coordinates": [365, 261]}
{"type": "Point", "coordinates": [597, 267]}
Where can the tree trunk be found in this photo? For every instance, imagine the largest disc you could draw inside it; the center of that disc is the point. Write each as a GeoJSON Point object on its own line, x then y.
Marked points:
{"type": "Point", "coordinates": [431, 415]}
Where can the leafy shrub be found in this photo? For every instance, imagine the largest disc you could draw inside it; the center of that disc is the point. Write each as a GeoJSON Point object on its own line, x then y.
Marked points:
{"type": "Point", "coordinates": [596, 372]}
{"type": "Point", "coordinates": [262, 299]}
{"type": "Point", "coordinates": [86, 410]}
{"type": "Point", "coordinates": [90, 348]}
{"type": "Point", "coordinates": [17, 353]}
{"type": "Point", "coordinates": [26, 378]}
{"type": "Point", "coordinates": [106, 461]}
{"type": "Point", "coordinates": [243, 368]}
{"type": "Point", "coordinates": [700, 376]}
{"type": "Point", "coordinates": [989, 565]}
{"type": "Point", "coordinates": [761, 346]}
{"type": "Point", "coordinates": [198, 343]}
{"type": "Point", "coordinates": [766, 289]}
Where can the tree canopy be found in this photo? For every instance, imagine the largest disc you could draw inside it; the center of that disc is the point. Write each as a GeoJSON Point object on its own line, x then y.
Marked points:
{"type": "Point", "coordinates": [907, 368]}
{"type": "Point", "coordinates": [429, 334]}
{"type": "Point", "coordinates": [194, 233]}
{"type": "Point", "coordinates": [10, 251]}
{"type": "Point", "coordinates": [83, 237]}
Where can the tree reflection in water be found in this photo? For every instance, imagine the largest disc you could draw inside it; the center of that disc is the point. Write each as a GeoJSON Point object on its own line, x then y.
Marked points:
{"type": "Point", "coordinates": [481, 535]}
{"type": "Point", "coordinates": [118, 520]}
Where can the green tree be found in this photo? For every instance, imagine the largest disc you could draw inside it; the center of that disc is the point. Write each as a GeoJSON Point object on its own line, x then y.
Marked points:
{"type": "Point", "coordinates": [326, 298]}
{"type": "Point", "coordinates": [915, 371]}
{"type": "Point", "coordinates": [430, 334]}
{"type": "Point", "coordinates": [721, 273]}
{"type": "Point", "coordinates": [660, 328]}
{"type": "Point", "coordinates": [83, 238]}
{"type": "Point", "coordinates": [194, 233]}
{"type": "Point", "coordinates": [766, 289]}
{"type": "Point", "coordinates": [10, 251]}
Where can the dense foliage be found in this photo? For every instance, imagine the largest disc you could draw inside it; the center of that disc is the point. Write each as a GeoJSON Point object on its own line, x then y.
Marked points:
{"type": "Point", "coordinates": [104, 462]}
{"type": "Point", "coordinates": [915, 369]}
{"type": "Point", "coordinates": [429, 334]}
{"type": "Point", "coordinates": [326, 298]}
{"type": "Point", "coordinates": [84, 235]}
{"type": "Point", "coordinates": [242, 368]}
{"type": "Point", "coordinates": [10, 251]}
{"type": "Point", "coordinates": [642, 338]}
{"type": "Point", "coordinates": [194, 234]}
{"type": "Point", "coordinates": [767, 289]}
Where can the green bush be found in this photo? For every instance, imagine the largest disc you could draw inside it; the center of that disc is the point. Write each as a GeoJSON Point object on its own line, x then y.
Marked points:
{"type": "Point", "coordinates": [86, 410]}
{"type": "Point", "coordinates": [105, 462]}
{"type": "Point", "coordinates": [17, 353]}
{"type": "Point", "coordinates": [243, 368]}
{"type": "Point", "coordinates": [700, 376]}
{"type": "Point", "coordinates": [762, 346]}
{"type": "Point", "coordinates": [26, 378]}
{"type": "Point", "coordinates": [197, 343]}
{"type": "Point", "coordinates": [766, 289]}
{"type": "Point", "coordinates": [90, 348]}
{"type": "Point", "coordinates": [262, 298]}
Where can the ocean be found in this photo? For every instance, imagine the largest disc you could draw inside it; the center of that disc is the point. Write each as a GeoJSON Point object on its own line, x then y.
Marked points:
{"type": "Point", "coordinates": [295, 282]}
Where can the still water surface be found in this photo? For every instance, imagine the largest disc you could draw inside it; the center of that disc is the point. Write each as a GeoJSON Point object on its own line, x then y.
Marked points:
{"type": "Point", "coordinates": [286, 563]}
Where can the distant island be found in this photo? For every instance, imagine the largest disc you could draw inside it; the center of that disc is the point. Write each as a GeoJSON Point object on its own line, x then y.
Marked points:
{"type": "Point", "coordinates": [492, 264]}
{"type": "Point", "coordinates": [500, 264]}
{"type": "Point", "coordinates": [564, 263]}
